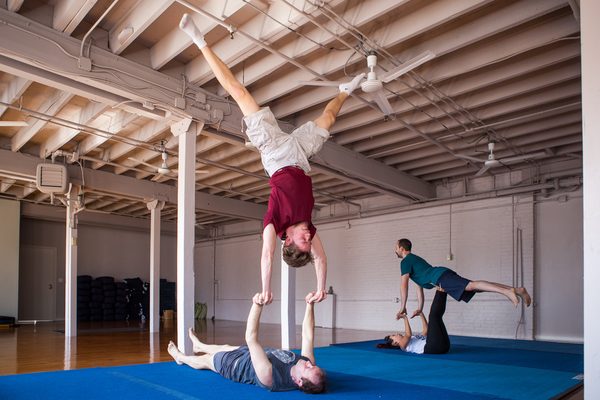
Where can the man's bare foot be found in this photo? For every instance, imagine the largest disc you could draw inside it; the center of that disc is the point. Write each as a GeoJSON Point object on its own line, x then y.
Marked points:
{"type": "Point", "coordinates": [196, 343]}
{"type": "Point", "coordinates": [513, 296]}
{"type": "Point", "coordinates": [522, 293]}
{"type": "Point", "coordinates": [174, 352]}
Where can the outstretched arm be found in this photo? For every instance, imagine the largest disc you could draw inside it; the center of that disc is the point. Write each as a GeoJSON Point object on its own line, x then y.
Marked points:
{"type": "Point", "coordinates": [320, 260]}
{"type": "Point", "coordinates": [308, 329]}
{"type": "Point", "coordinates": [266, 263]}
{"type": "Point", "coordinates": [260, 361]}
{"type": "Point", "coordinates": [403, 295]}
{"type": "Point", "coordinates": [405, 339]}
{"type": "Point", "coordinates": [420, 298]}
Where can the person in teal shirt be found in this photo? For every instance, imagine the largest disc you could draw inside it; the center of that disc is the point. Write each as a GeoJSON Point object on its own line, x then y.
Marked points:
{"type": "Point", "coordinates": [425, 276]}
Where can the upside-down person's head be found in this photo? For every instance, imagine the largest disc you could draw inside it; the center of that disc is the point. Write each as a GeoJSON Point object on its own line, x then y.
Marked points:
{"type": "Point", "coordinates": [294, 257]}
{"type": "Point", "coordinates": [297, 245]}
{"type": "Point", "coordinates": [309, 378]}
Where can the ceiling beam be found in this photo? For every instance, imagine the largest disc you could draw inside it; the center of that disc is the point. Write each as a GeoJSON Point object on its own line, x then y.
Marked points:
{"type": "Point", "coordinates": [51, 107]}
{"type": "Point", "coordinates": [13, 91]}
{"type": "Point", "coordinates": [119, 185]}
{"type": "Point", "coordinates": [68, 14]}
{"type": "Point", "coordinates": [134, 23]}
{"type": "Point", "coordinates": [21, 39]}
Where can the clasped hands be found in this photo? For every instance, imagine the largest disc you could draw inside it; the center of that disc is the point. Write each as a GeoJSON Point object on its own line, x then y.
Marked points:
{"type": "Point", "coordinates": [402, 313]}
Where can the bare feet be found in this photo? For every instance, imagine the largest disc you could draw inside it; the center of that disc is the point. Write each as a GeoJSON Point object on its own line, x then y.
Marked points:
{"type": "Point", "coordinates": [196, 343]}
{"type": "Point", "coordinates": [512, 296]}
{"type": "Point", "coordinates": [522, 293]}
{"type": "Point", "coordinates": [174, 352]}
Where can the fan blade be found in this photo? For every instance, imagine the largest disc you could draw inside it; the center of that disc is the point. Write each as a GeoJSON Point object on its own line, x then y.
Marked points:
{"type": "Point", "coordinates": [319, 83]}
{"type": "Point", "coordinates": [522, 157]}
{"type": "Point", "coordinates": [470, 158]}
{"type": "Point", "coordinates": [198, 171]}
{"type": "Point", "coordinates": [482, 171]}
{"type": "Point", "coordinates": [382, 102]}
{"type": "Point", "coordinates": [407, 66]}
{"type": "Point", "coordinates": [14, 123]}
{"type": "Point", "coordinates": [143, 163]}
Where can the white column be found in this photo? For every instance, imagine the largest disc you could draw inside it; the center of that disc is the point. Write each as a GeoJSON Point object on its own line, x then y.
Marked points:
{"type": "Point", "coordinates": [590, 84]}
{"type": "Point", "coordinates": [155, 208]}
{"type": "Point", "coordinates": [288, 306]}
{"type": "Point", "coordinates": [71, 263]}
{"type": "Point", "coordinates": [186, 221]}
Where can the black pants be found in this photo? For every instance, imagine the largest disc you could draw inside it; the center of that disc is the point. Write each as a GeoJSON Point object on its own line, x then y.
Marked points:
{"type": "Point", "coordinates": [437, 341]}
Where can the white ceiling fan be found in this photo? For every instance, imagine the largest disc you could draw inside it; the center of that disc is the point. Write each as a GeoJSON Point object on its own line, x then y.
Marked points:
{"type": "Point", "coordinates": [163, 168]}
{"type": "Point", "coordinates": [373, 84]}
{"type": "Point", "coordinates": [493, 162]}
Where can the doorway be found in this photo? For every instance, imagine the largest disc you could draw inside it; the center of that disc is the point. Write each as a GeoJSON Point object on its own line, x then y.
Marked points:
{"type": "Point", "coordinates": [37, 283]}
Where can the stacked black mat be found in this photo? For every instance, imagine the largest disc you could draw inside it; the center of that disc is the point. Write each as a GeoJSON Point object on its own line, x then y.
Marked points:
{"type": "Point", "coordinates": [103, 299]}
{"type": "Point", "coordinates": [84, 297]}
{"type": "Point", "coordinates": [168, 292]}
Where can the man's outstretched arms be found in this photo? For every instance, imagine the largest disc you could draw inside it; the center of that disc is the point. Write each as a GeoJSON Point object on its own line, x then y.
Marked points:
{"type": "Point", "coordinates": [260, 361]}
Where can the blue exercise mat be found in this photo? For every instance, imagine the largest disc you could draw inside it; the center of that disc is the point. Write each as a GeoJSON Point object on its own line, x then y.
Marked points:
{"type": "Point", "coordinates": [354, 371]}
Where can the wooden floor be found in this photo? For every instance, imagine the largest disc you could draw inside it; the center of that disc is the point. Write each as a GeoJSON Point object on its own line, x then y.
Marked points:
{"type": "Point", "coordinates": [43, 346]}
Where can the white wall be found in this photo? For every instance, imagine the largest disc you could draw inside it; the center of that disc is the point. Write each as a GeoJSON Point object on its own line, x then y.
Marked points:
{"type": "Point", "coordinates": [559, 269]}
{"type": "Point", "coordinates": [364, 271]}
{"type": "Point", "coordinates": [121, 253]}
{"type": "Point", "coordinates": [9, 259]}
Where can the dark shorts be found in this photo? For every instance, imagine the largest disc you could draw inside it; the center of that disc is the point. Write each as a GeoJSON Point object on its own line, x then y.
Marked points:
{"type": "Point", "coordinates": [455, 285]}
{"type": "Point", "coordinates": [226, 361]}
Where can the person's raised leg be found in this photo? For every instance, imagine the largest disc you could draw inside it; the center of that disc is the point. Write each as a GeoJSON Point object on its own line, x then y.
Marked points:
{"type": "Point", "coordinates": [329, 114]}
{"type": "Point", "coordinates": [200, 347]}
{"type": "Point", "coordinates": [197, 362]}
{"type": "Point", "coordinates": [513, 294]}
{"type": "Point", "coordinates": [223, 74]}
{"type": "Point", "coordinates": [438, 341]}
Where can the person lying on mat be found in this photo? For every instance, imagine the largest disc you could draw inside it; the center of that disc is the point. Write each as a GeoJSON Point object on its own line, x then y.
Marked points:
{"type": "Point", "coordinates": [434, 337]}
{"type": "Point", "coordinates": [285, 158]}
{"type": "Point", "coordinates": [271, 369]}
{"type": "Point", "coordinates": [425, 276]}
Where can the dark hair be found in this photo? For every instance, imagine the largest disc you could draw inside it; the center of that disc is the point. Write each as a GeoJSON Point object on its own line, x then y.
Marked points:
{"type": "Point", "coordinates": [389, 344]}
{"type": "Point", "coordinates": [294, 257]}
{"type": "Point", "coordinates": [314, 388]}
{"type": "Point", "coordinates": [405, 244]}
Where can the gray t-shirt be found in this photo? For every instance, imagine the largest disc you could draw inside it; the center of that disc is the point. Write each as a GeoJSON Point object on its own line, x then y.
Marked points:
{"type": "Point", "coordinates": [237, 366]}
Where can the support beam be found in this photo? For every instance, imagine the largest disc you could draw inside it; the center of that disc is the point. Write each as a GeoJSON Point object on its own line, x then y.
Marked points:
{"type": "Point", "coordinates": [288, 306]}
{"type": "Point", "coordinates": [590, 87]}
{"type": "Point", "coordinates": [155, 208]}
{"type": "Point", "coordinates": [185, 232]}
{"type": "Point", "coordinates": [71, 264]}
{"type": "Point", "coordinates": [20, 164]}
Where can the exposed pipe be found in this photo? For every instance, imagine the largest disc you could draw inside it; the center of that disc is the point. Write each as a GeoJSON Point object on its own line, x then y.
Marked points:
{"type": "Point", "coordinates": [94, 26]}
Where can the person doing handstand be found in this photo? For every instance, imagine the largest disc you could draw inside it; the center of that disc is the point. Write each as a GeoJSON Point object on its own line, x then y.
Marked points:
{"type": "Point", "coordinates": [271, 369]}
{"type": "Point", "coordinates": [285, 159]}
{"type": "Point", "coordinates": [425, 276]}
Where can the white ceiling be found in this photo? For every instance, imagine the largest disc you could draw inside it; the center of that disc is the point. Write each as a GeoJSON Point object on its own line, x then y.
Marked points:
{"type": "Point", "coordinates": [504, 71]}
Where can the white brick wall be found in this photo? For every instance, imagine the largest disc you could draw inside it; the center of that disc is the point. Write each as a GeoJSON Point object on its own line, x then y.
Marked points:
{"type": "Point", "coordinates": [365, 275]}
